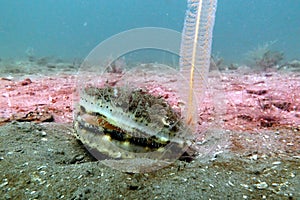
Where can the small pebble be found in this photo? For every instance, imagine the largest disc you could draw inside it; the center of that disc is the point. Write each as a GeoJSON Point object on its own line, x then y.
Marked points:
{"type": "Point", "coordinates": [43, 134]}
{"type": "Point", "coordinates": [26, 81]}
{"type": "Point", "coordinates": [43, 173]}
{"type": "Point", "coordinates": [41, 167]}
{"type": "Point", "coordinates": [264, 156]}
{"type": "Point", "coordinates": [266, 136]}
{"type": "Point", "coordinates": [254, 157]}
{"type": "Point", "coordinates": [3, 184]}
{"type": "Point", "coordinates": [32, 192]}
{"type": "Point", "coordinates": [156, 186]}
{"type": "Point", "coordinates": [262, 185]}
{"type": "Point", "coordinates": [76, 159]}
{"type": "Point", "coordinates": [276, 163]}
{"type": "Point", "coordinates": [230, 183]}
{"type": "Point", "coordinates": [297, 157]}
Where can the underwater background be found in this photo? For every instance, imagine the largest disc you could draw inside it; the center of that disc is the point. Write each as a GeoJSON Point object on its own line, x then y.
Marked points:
{"type": "Point", "coordinates": [247, 141]}
{"type": "Point", "coordinates": [70, 29]}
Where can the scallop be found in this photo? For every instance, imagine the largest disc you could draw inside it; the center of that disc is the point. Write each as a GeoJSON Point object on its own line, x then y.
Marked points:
{"type": "Point", "coordinates": [122, 123]}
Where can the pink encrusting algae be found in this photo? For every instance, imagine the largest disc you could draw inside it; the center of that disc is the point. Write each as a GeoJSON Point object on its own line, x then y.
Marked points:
{"type": "Point", "coordinates": [253, 103]}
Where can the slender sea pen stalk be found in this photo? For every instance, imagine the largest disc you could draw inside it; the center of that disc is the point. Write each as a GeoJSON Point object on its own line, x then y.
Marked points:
{"type": "Point", "coordinates": [195, 53]}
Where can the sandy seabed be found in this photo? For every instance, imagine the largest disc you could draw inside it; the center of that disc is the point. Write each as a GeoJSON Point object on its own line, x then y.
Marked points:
{"type": "Point", "coordinates": [250, 148]}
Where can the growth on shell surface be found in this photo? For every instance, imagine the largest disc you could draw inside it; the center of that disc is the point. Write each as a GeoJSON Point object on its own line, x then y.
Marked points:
{"type": "Point", "coordinates": [139, 105]}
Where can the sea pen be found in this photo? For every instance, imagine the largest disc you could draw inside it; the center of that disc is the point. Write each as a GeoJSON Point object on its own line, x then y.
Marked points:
{"type": "Point", "coordinates": [195, 53]}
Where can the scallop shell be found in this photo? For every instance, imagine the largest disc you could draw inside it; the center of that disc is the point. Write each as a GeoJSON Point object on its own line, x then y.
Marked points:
{"type": "Point", "coordinates": [123, 123]}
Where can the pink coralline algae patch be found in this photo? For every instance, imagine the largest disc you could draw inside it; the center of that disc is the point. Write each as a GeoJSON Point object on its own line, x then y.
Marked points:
{"type": "Point", "coordinates": [37, 99]}
{"type": "Point", "coordinates": [249, 102]}
{"type": "Point", "coordinates": [262, 101]}
{"type": "Point", "coordinates": [260, 111]}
